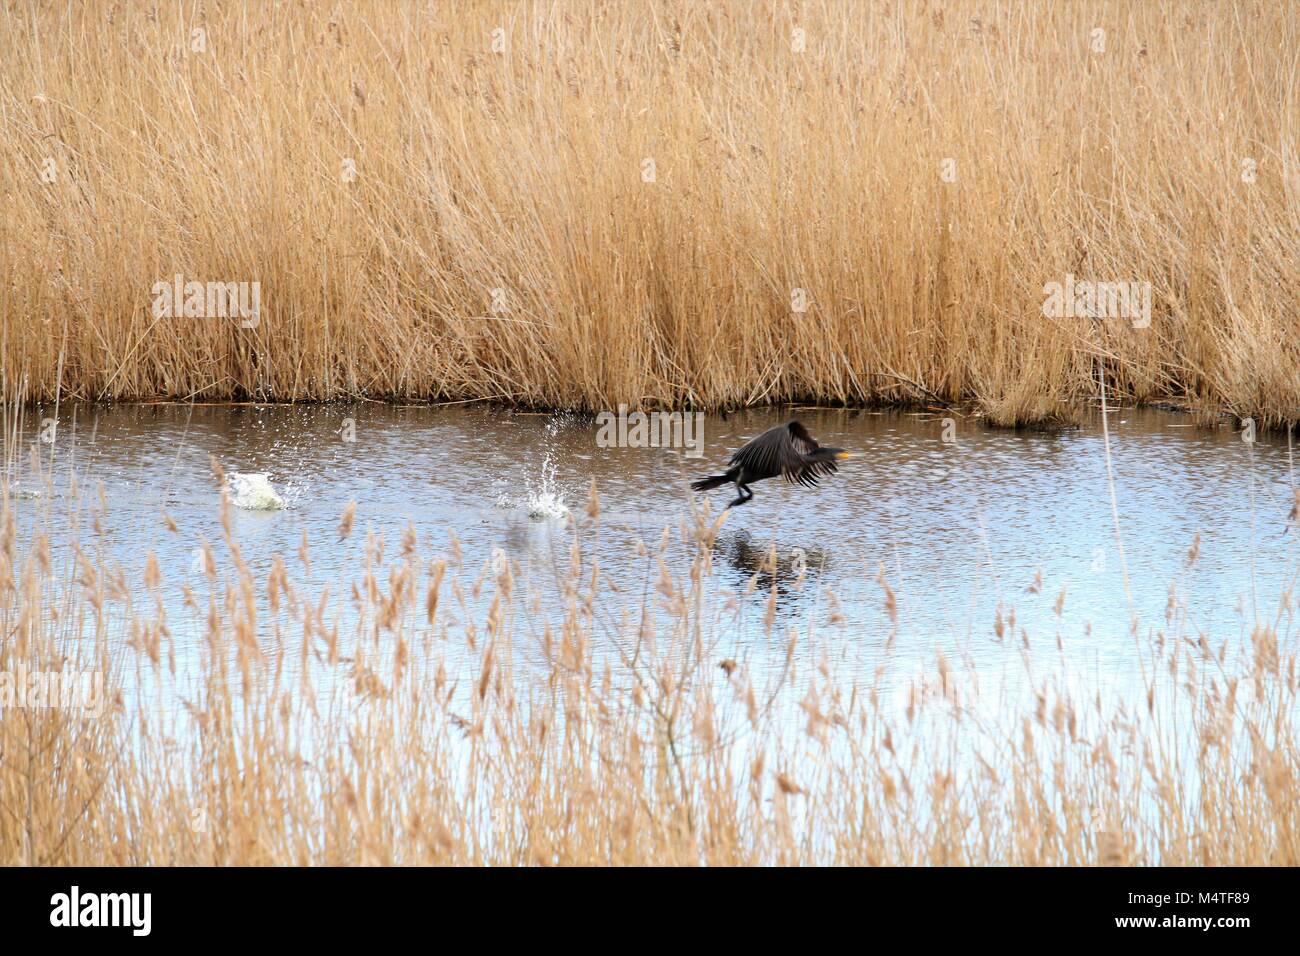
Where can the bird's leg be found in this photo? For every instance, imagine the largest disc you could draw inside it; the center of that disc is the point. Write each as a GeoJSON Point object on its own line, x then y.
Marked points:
{"type": "Point", "coordinates": [745, 495]}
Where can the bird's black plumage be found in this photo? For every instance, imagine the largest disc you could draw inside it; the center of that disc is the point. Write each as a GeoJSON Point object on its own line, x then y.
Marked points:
{"type": "Point", "coordinates": [786, 450]}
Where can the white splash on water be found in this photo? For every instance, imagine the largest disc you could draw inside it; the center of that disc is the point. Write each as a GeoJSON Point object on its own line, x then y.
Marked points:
{"type": "Point", "coordinates": [545, 500]}
{"type": "Point", "coordinates": [546, 506]}
{"type": "Point", "coordinates": [254, 492]}
{"type": "Point", "coordinates": [542, 498]}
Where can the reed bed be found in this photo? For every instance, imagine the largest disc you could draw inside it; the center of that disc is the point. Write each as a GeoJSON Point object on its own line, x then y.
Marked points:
{"type": "Point", "coordinates": [433, 712]}
{"type": "Point", "coordinates": [660, 202]}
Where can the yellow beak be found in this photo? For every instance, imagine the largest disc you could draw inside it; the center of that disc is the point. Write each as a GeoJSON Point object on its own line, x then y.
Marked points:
{"type": "Point", "coordinates": [845, 454]}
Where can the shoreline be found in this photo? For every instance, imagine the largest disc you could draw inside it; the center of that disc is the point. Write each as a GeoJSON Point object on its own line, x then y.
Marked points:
{"type": "Point", "coordinates": [1080, 412]}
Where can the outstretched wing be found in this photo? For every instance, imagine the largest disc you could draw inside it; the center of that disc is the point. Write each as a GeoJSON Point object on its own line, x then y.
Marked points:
{"type": "Point", "coordinates": [783, 450]}
{"type": "Point", "coordinates": [804, 445]}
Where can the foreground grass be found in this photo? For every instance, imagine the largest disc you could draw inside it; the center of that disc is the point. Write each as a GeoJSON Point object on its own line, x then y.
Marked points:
{"type": "Point", "coordinates": [387, 721]}
{"type": "Point", "coordinates": [632, 201]}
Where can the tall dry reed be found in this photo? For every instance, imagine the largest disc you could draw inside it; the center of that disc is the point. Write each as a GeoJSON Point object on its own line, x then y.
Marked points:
{"type": "Point", "coordinates": [654, 202]}
{"type": "Point", "coordinates": [429, 711]}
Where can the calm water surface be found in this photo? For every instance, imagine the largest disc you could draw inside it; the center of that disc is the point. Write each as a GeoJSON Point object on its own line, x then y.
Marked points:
{"type": "Point", "coordinates": [991, 519]}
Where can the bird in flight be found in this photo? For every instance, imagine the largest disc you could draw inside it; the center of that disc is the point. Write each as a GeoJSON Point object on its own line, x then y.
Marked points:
{"type": "Point", "coordinates": [787, 450]}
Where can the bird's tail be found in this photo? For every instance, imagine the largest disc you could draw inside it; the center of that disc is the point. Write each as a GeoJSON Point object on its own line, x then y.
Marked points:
{"type": "Point", "coordinates": [708, 484]}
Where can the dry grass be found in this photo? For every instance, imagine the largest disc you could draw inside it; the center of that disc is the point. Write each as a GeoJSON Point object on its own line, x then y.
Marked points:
{"type": "Point", "coordinates": [281, 724]}
{"type": "Point", "coordinates": [775, 170]}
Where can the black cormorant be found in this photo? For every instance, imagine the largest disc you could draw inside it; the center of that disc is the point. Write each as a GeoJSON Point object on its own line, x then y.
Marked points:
{"type": "Point", "coordinates": [787, 450]}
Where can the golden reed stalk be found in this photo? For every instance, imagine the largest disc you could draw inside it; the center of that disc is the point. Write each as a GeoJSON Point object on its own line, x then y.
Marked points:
{"type": "Point", "coordinates": [254, 717]}
{"type": "Point", "coordinates": [656, 202]}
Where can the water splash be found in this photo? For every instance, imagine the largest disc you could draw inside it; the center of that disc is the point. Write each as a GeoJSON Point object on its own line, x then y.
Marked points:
{"type": "Point", "coordinates": [545, 499]}
{"type": "Point", "coordinates": [254, 492]}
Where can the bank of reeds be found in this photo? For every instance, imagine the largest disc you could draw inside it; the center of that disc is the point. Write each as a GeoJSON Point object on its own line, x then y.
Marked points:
{"type": "Point", "coordinates": [429, 711]}
{"type": "Point", "coordinates": [656, 202]}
